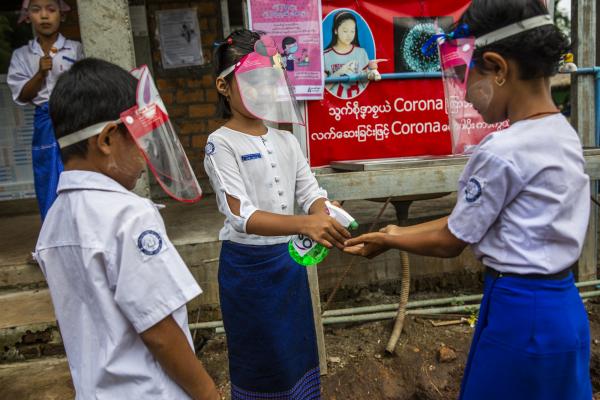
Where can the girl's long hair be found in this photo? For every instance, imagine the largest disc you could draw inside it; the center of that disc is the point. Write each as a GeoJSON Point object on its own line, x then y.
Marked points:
{"type": "Point", "coordinates": [338, 19]}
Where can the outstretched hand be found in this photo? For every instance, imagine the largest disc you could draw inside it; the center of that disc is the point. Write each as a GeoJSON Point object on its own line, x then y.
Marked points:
{"type": "Point", "coordinates": [368, 245]}
{"type": "Point", "coordinates": [372, 244]}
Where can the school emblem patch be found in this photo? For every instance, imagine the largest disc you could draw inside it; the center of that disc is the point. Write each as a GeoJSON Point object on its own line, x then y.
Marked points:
{"type": "Point", "coordinates": [473, 190]}
{"type": "Point", "coordinates": [209, 149]}
{"type": "Point", "coordinates": [149, 242]}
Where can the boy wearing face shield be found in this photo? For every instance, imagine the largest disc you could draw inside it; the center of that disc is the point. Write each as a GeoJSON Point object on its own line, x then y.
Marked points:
{"type": "Point", "coordinates": [118, 286]}
{"type": "Point", "coordinates": [523, 207]}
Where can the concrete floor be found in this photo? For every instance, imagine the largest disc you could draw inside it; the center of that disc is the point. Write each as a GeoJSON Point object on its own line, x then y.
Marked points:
{"type": "Point", "coordinates": [186, 223]}
{"type": "Point", "coordinates": [23, 293]}
{"type": "Point", "coordinates": [195, 223]}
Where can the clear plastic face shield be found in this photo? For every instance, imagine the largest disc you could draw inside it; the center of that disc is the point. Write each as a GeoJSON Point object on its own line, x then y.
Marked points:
{"type": "Point", "coordinates": [263, 84]}
{"type": "Point", "coordinates": [456, 57]}
{"type": "Point", "coordinates": [149, 126]}
{"type": "Point", "coordinates": [466, 123]}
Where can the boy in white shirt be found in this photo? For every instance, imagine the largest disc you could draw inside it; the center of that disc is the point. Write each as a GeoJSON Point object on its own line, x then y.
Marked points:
{"type": "Point", "coordinates": [33, 72]}
{"type": "Point", "coordinates": [118, 285]}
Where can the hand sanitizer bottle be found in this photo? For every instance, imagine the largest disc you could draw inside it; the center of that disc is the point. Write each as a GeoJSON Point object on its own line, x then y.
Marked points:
{"type": "Point", "coordinates": [306, 251]}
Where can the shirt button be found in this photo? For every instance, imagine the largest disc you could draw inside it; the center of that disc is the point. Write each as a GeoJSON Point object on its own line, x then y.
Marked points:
{"type": "Point", "coordinates": [269, 151]}
{"type": "Point", "coordinates": [273, 165]}
{"type": "Point", "coordinates": [277, 179]}
{"type": "Point", "coordinates": [283, 206]}
{"type": "Point", "coordinates": [280, 192]}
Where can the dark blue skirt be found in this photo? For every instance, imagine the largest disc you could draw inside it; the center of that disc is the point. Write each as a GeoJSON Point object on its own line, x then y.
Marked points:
{"type": "Point", "coordinates": [45, 155]}
{"type": "Point", "coordinates": [268, 319]}
{"type": "Point", "coordinates": [532, 342]}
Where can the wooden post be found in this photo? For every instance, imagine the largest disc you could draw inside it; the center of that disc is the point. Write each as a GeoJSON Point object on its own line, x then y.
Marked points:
{"type": "Point", "coordinates": [313, 281]}
{"type": "Point", "coordinates": [313, 277]}
{"type": "Point", "coordinates": [583, 20]}
{"type": "Point", "coordinates": [106, 34]}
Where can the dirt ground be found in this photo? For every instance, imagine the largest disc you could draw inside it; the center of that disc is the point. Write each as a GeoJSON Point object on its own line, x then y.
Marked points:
{"type": "Point", "coordinates": [358, 365]}
{"type": "Point", "coordinates": [359, 368]}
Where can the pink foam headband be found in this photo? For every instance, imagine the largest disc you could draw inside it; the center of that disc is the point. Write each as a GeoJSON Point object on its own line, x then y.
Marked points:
{"type": "Point", "coordinates": [64, 8]}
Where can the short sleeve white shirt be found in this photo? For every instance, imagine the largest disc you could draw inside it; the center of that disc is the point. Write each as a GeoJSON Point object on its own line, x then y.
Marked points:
{"type": "Point", "coordinates": [524, 198]}
{"type": "Point", "coordinates": [113, 273]}
{"type": "Point", "coordinates": [25, 63]}
{"type": "Point", "coordinates": [268, 173]}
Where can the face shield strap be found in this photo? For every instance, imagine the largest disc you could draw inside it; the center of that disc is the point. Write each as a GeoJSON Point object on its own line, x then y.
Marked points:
{"type": "Point", "coordinates": [513, 29]}
{"type": "Point", "coordinates": [227, 71]}
{"type": "Point", "coordinates": [84, 133]}
{"type": "Point", "coordinates": [462, 31]}
{"type": "Point", "coordinates": [430, 46]}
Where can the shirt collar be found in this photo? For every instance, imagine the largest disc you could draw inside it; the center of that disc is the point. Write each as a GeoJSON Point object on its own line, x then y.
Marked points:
{"type": "Point", "coordinates": [81, 180]}
{"type": "Point", "coordinates": [60, 44]}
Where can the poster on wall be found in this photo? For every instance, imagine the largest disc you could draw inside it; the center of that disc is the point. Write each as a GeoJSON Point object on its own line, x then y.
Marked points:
{"type": "Point", "coordinates": [388, 118]}
{"type": "Point", "coordinates": [16, 131]}
{"type": "Point", "coordinates": [296, 27]}
{"type": "Point", "coordinates": [179, 35]}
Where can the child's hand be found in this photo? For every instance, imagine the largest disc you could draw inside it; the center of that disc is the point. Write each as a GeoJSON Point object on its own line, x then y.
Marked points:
{"type": "Point", "coordinates": [391, 230]}
{"type": "Point", "coordinates": [45, 65]}
{"type": "Point", "coordinates": [368, 245]}
{"type": "Point", "coordinates": [325, 230]}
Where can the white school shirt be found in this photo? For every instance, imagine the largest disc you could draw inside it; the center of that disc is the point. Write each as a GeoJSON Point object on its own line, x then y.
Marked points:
{"type": "Point", "coordinates": [112, 273]}
{"type": "Point", "coordinates": [524, 198]}
{"type": "Point", "coordinates": [25, 63]}
{"type": "Point", "coordinates": [267, 173]}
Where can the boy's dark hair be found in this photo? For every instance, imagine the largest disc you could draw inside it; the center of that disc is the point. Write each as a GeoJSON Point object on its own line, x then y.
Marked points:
{"type": "Point", "coordinates": [238, 44]}
{"type": "Point", "coordinates": [339, 18]}
{"type": "Point", "coordinates": [537, 51]}
{"type": "Point", "coordinates": [92, 91]}
{"type": "Point", "coordinates": [287, 41]}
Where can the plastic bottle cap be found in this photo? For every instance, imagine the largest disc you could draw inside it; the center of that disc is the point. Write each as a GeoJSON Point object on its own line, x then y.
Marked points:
{"type": "Point", "coordinates": [353, 225]}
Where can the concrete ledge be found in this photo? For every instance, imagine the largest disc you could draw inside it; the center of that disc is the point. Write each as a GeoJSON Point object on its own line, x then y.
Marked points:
{"type": "Point", "coordinates": [47, 379]}
{"type": "Point", "coordinates": [26, 308]}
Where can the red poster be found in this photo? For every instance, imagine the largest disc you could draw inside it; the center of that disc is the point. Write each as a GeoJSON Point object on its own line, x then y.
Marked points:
{"type": "Point", "coordinates": [388, 118]}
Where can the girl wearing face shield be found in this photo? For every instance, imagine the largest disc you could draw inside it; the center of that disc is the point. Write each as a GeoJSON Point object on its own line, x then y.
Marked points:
{"type": "Point", "coordinates": [523, 207]}
{"type": "Point", "coordinates": [259, 174]}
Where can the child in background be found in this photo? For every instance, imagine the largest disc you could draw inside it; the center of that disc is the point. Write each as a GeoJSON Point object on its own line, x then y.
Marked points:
{"type": "Point", "coordinates": [523, 207]}
{"type": "Point", "coordinates": [289, 46]}
{"type": "Point", "coordinates": [344, 56]}
{"type": "Point", "coordinates": [34, 70]}
{"type": "Point", "coordinates": [258, 173]}
{"type": "Point", "coordinates": [118, 285]}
